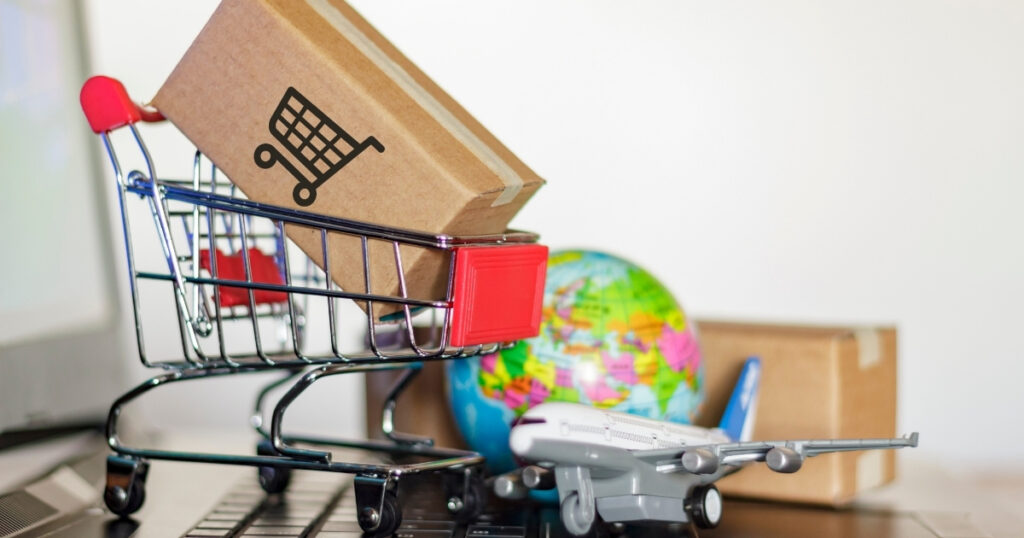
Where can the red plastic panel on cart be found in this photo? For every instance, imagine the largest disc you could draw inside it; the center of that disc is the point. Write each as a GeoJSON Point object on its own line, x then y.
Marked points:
{"type": "Point", "coordinates": [232, 267]}
{"type": "Point", "coordinates": [498, 293]}
{"type": "Point", "coordinates": [107, 106]}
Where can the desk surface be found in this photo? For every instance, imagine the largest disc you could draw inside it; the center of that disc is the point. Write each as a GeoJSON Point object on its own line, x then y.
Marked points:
{"type": "Point", "coordinates": [950, 505]}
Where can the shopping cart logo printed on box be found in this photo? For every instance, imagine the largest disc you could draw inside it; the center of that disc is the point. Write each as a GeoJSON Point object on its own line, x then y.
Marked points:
{"type": "Point", "coordinates": [313, 139]}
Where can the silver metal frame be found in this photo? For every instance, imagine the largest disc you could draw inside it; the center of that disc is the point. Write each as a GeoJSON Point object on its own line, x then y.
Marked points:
{"type": "Point", "coordinates": [208, 213]}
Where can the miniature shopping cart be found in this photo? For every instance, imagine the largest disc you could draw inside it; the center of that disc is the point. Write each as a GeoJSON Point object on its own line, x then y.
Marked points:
{"type": "Point", "coordinates": [241, 298]}
{"type": "Point", "coordinates": [313, 139]}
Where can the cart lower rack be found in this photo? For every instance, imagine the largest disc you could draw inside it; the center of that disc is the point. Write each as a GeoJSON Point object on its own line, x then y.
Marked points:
{"type": "Point", "coordinates": [246, 300]}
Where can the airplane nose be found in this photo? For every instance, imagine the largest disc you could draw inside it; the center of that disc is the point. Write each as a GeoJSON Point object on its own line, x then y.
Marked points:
{"type": "Point", "coordinates": [520, 442]}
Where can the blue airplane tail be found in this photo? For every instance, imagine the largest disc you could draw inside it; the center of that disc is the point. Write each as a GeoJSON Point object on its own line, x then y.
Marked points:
{"type": "Point", "coordinates": [738, 419]}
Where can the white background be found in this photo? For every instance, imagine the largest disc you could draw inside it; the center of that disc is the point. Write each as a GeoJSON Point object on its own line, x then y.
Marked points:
{"type": "Point", "coordinates": [785, 161]}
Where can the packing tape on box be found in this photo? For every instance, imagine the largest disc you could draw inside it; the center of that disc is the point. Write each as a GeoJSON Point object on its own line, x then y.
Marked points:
{"type": "Point", "coordinates": [513, 182]}
{"type": "Point", "coordinates": [869, 347]}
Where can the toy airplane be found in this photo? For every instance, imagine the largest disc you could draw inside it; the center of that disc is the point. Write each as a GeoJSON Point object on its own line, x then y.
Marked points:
{"type": "Point", "coordinates": [617, 467]}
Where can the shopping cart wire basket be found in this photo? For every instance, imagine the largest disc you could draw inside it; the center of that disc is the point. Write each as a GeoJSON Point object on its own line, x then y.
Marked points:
{"type": "Point", "coordinates": [246, 300]}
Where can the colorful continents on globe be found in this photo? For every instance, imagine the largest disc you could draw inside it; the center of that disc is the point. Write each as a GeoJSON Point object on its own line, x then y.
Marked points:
{"type": "Point", "coordinates": [611, 336]}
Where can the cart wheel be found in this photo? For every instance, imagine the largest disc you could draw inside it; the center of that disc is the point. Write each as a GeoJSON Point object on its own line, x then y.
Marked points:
{"type": "Point", "coordinates": [467, 504]}
{"type": "Point", "coordinates": [273, 479]}
{"type": "Point", "coordinates": [390, 517]}
{"type": "Point", "coordinates": [303, 194]}
{"type": "Point", "coordinates": [705, 506]}
{"type": "Point", "coordinates": [578, 519]}
{"type": "Point", "coordinates": [126, 485]}
{"type": "Point", "coordinates": [125, 503]}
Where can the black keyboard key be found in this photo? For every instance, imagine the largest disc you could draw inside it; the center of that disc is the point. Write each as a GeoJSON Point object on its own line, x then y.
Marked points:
{"type": "Point", "coordinates": [427, 525]}
{"type": "Point", "coordinates": [495, 531]}
{"type": "Point", "coordinates": [419, 533]}
{"type": "Point", "coordinates": [341, 526]}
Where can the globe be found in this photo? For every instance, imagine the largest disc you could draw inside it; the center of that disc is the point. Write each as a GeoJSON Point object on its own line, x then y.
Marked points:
{"type": "Point", "coordinates": [611, 336]}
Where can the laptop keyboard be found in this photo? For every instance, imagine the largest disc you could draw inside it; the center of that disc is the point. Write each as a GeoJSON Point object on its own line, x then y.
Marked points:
{"type": "Point", "coordinates": [323, 505]}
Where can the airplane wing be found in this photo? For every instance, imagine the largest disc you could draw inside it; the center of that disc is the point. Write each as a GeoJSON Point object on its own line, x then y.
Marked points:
{"type": "Point", "coordinates": [780, 456]}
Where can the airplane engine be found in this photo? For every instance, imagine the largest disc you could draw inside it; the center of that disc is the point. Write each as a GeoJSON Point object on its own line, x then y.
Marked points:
{"type": "Point", "coordinates": [537, 477]}
{"type": "Point", "coordinates": [783, 460]}
{"type": "Point", "coordinates": [510, 486]}
{"type": "Point", "coordinates": [700, 461]}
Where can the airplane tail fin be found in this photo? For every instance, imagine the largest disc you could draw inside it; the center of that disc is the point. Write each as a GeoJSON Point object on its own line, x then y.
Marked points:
{"type": "Point", "coordinates": [738, 419]}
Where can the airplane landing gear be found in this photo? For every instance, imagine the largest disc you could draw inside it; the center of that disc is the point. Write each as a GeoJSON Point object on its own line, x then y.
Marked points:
{"type": "Point", "coordinates": [705, 506]}
{"type": "Point", "coordinates": [577, 518]}
{"type": "Point", "coordinates": [578, 508]}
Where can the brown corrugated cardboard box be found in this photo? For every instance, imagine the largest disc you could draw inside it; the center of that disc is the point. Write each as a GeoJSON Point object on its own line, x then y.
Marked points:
{"type": "Point", "coordinates": [817, 382]}
{"type": "Point", "coordinates": [304, 104]}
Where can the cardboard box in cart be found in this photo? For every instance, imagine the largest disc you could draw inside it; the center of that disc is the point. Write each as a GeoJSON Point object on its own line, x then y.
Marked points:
{"type": "Point", "coordinates": [303, 104]}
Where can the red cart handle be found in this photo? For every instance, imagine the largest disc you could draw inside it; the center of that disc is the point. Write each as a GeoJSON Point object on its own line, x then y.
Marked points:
{"type": "Point", "coordinates": [107, 106]}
